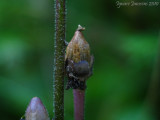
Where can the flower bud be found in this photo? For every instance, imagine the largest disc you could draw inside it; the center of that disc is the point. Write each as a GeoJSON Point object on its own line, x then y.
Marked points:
{"type": "Point", "coordinates": [36, 110]}
{"type": "Point", "coordinates": [78, 61]}
{"type": "Point", "coordinates": [78, 48]}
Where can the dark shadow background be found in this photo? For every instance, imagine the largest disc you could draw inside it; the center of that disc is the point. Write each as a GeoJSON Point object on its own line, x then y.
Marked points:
{"type": "Point", "coordinates": [123, 41]}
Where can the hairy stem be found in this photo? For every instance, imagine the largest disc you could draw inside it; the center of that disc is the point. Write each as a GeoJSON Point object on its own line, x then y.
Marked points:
{"type": "Point", "coordinates": [59, 59]}
{"type": "Point", "coordinates": [79, 96]}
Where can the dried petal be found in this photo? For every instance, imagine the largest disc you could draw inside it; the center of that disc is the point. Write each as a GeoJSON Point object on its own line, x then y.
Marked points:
{"type": "Point", "coordinates": [78, 48]}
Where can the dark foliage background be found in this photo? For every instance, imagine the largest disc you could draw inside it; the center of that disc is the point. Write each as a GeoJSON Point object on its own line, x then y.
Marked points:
{"type": "Point", "coordinates": [123, 40]}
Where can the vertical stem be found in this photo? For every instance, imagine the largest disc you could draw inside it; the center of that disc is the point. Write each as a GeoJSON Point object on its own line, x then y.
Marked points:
{"type": "Point", "coordinates": [59, 59]}
{"type": "Point", "coordinates": [79, 96]}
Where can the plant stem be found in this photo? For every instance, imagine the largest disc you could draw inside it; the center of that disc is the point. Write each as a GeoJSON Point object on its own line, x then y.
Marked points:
{"type": "Point", "coordinates": [79, 96]}
{"type": "Point", "coordinates": [59, 59]}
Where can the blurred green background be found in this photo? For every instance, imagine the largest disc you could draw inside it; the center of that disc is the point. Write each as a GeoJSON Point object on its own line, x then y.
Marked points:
{"type": "Point", "coordinates": [124, 42]}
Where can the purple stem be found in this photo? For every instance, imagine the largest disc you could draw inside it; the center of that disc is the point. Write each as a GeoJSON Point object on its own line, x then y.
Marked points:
{"type": "Point", "coordinates": [79, 96]}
